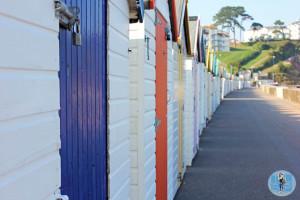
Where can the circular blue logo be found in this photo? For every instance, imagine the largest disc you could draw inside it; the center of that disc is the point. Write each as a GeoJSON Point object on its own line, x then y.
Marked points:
{"type": "Point", "coordinates": [282, 183]}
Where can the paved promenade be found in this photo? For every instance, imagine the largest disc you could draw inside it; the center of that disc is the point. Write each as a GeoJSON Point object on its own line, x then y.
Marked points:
{"type": "Point", "coordinates": [250, 136]}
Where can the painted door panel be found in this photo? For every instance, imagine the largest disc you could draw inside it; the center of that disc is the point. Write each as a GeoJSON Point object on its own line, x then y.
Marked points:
{"type": "Point", "coordinates": [83, 105]}
{"type": "Point", "coordinates": [161, 109]}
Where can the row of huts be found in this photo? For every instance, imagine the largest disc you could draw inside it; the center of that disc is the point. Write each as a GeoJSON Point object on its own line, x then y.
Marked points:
{"type": "Point", "coordinates": [102, 99]}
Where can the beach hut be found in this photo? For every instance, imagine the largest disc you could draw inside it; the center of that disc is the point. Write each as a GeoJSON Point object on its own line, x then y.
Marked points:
{"type": "Point", "coordinates": [200, 79]}
{"type": "Point", "coordinates": [94, 93]}
{"type": "Point", "coordinates": [29, 103]}
{"type": "Point", "coordinates": [191, 99]}
{"type": "Point", "coordinates": [151, 99]}
{"type": "Point", "coordinates": [164, 98]}
{"type": "Point", "coordinates": [142, 75]}
{"type": "Point", "coordinates": [83, 98]}
{"type": "Point", "coordinates": [65, 126]}
{"type": "Point", "coordinates": [183, 50]}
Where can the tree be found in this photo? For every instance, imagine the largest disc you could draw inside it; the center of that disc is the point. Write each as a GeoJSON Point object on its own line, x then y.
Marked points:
{"type": "Point", "coordinates": [255, 26]}
{"type": "Point", "coordinates": [228, 17]}
{"type": "Point", "coordinates": [245, 17]}
{"type": "Point", "coordinates": [279, 23]}
{"type": "Point", "coordinates": [280, 26]}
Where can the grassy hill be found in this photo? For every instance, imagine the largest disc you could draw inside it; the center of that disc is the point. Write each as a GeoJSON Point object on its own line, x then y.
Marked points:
{"type": "Point", "coordinates": [258, 56]}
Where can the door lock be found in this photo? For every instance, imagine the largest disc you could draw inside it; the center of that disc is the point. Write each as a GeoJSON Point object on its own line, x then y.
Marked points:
{"type": "Point", "coordinates": [77, 33]}
{"type": "Point", "coordinates": [69, 20]}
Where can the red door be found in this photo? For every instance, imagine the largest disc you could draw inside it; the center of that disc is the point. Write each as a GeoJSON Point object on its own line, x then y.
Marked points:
{"type": "Point", "coordinates": [161, 109]}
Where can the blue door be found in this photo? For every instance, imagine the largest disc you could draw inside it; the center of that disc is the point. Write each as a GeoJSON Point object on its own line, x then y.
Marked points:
{"type": "Point", "coordinates": [83, 104]}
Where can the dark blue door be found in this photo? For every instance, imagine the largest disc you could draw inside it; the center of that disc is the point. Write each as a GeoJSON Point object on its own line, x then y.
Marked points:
{"type": "Point", "coordinates": [83, 104]}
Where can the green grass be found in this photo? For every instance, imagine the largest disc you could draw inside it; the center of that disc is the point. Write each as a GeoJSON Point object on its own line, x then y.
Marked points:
{"type": "Point", "coordinates": [276, 68]}
{"type": "Point", "coordinates": [255, 55]}
{"type": "Point", "coordinates": [234, 56]}
{"type": "Point", "coordinates": [264, 56]}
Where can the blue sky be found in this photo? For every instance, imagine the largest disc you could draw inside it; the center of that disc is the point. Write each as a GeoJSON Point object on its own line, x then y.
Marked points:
{"type": "Point", "coordinates": [264, 11]}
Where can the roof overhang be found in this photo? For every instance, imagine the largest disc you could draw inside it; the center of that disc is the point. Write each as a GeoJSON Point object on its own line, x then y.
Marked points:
{"type": "Point", "coordinates": [194, 28]}
{"type": "Point", "coordinates": [187, 31]}
{"type": "Point", "coordinates": [177, 10]}
{"type": "Point", "coordinates": [137, 8]}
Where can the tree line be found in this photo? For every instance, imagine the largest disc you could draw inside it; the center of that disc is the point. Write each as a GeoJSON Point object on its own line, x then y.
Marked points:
{"type": "Point", "coordinates": [233, 17]}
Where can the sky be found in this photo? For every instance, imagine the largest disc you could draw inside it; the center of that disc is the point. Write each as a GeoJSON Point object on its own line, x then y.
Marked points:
{"type": "Point", "coordinates": [263, 11]}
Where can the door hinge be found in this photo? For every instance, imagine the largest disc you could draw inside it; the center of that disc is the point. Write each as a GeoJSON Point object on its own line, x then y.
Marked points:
{"type": "Point", "coordinates": [67, 15]}
{"type": "Point", "coordinates": [157, 122]}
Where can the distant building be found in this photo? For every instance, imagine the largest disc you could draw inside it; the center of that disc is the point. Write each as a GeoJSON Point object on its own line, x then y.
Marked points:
{"type": "Point", "coordinates": [265, 33]}
{"type": "Point", "coordinates": [291, 31]}
{"type": "Point", "coordinates": [294, 30]}
{"type": "Point", "coordinates": [220, 40]}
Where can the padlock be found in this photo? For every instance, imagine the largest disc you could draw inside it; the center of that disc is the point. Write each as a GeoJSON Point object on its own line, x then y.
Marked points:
{"type": "Point", "coordinates": [76, 34]}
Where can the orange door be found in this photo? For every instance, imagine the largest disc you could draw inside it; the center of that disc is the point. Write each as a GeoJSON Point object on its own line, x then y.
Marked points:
{"type": "Point", "coordinates": [161, 108]}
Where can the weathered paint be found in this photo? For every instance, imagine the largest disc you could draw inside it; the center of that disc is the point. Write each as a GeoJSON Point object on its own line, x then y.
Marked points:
{"type": "Point", "coordinates": [161, 109]}
{"type": "Point", "coordinates": [29, 103]}
{"type": "Point", "coordinates": [83, 105]}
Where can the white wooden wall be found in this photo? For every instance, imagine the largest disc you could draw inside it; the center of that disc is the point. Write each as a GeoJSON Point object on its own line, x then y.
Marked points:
{"type": "Point", "coordinates": [179, 88]}
{"type": "Point", "coordinates": [175, 153]}
{"type": "Point", "coordinates": [118, 100]}
{"type": "Point", "coordinates": [172, 181]}
{"type": "Point", "coordinates": [219, 91]}
{"type": "Point", "coordinates": [223, 88]}
{"type": "Point", "coordinates": [188, 114]}
{"type": "Point", "coordinates": [202, 96]}
{"type": "Point", "coordinates": [205, 79]}
{"type": "Point", "coordinates": [209, 95]}
{"type": "Point", "coordinates": [149, 110]}
{"type": "Point", "coordinates": [214, 94]}
{"type": "Point", "coordinates": [29, 103]}
{"type": "Point", "coordinates": [142, 109]}
{"type": "Point", "coordinates": [196, 114]}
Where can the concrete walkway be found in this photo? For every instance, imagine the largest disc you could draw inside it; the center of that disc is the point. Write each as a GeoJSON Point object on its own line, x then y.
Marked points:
{"type": "Point", "coordinates": [251, 136]}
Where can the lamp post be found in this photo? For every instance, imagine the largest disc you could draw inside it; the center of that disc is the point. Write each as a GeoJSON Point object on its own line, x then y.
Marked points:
{"type": "Point", "coordinates": [273, 77]}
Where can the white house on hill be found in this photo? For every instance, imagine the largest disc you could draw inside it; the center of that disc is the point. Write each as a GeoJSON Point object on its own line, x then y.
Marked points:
{"type": "Point", "coordinates": [291, 31]}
